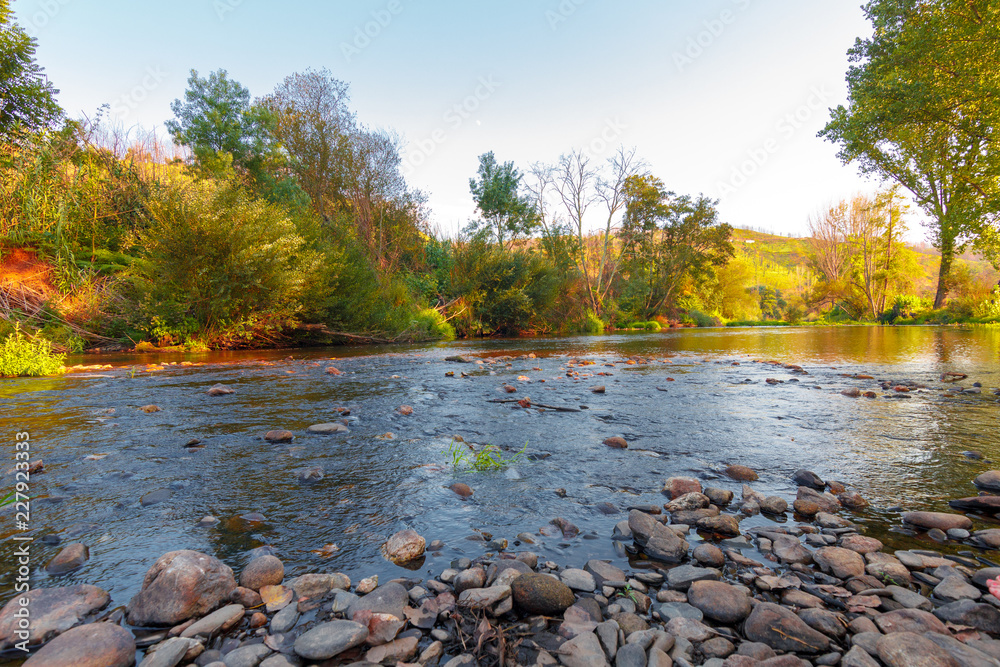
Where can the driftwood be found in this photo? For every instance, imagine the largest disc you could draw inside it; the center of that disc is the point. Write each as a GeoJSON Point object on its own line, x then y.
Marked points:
{"type": "Point", "coordinates": [323, 330]}
{"type": "Point", "coordinates": [557, 408]}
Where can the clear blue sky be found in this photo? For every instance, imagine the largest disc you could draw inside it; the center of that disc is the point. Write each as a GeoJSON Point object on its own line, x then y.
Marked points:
{"type": "Point", "coordinates": [719, 96]}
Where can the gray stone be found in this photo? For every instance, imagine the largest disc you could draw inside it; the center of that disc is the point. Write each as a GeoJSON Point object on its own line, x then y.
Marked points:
{"type": "Point", "coordinates": [980, 616]}
{"type": "Point", "coordinates": [965, 655]}
{"type": "Point", "coordinates": [669, 610]}
{"type": "Point", "coordinates": [329, 639]}
{"type": "Point", "coordinates": [681, 577]}
{"type": "Point", "coordinates": [782, 630]}
{"type": "Point", "coordinates": [285, 619]}
{"type": "Point", "coordinates": [583, 651]}
{"type": "Point", "coordinates": [246, 656]}
{"type": "Point", "coordinates": [631, 655]}
{"type": "Point", "coordinates": [221, 619]}
{"type": "Point", "coordinates": [167, 654]}
{"type": "Point", "coordinates": [52, 611]}
{"type": "Point", "coordinates": [857, 657]}
{"type": "Point", "coordinates": [578, 580]}
{"type": "Point", "coordinates": [91, 645]}
{"type": "Point", "coordinates": [389, 598]}
{"type": "Point", "coordinates": [790, 550]}
{"type": "Point", "coordinates": [607, 632]}
{"type": "Point", "coordinates": [317, 585]}
{"type": "Point", "coordinates": [954, 588]}
{"type": "Point", "coordinates": [720, 601]}
{"type": "Point", "coordinates": [909, 599]}
{"type": "Point", "coordinates": [906, 649]}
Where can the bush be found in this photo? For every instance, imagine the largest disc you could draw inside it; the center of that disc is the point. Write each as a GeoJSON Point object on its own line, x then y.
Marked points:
{"type": "Point", "coordinates": [592, 324]}
{"type": "Point", "coordinates": [646, 326]}
{"type": "Point", "coordinates": [431, 324]}
{"type": "Point", "coordinates": [700, 319]}
{"type": "Point", "coordinates": [28, 356]}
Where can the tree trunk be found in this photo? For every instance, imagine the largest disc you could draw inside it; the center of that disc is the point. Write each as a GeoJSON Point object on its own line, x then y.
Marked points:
{"type": "Point", "coordinates": [944, 274]}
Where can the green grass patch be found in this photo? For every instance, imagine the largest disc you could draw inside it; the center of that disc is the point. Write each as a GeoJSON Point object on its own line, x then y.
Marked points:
{"type": "Point", "coordinates": [483, 460]}
{"type": "Point", "coordinates": [30, 356]}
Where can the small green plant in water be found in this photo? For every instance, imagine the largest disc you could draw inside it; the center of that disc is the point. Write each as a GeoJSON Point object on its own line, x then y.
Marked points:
{"type": "Point", "coordinates": [488, 458]}
{"type": "Point", "coordinates": [627, 593]}
{"type": "Point", "coordinates": [29, 356]}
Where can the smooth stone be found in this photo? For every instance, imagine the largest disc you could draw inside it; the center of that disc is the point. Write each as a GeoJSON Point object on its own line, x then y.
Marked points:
{"type": "Point", "coordinates": [782, 630]}
{"type": "Point", "coordinates": [71, 557]}
{"type": "Point", "coordinates": [474, 577]}
{"type": "Point", "coordinates": [841, 563]}
{"type": "Point", "coordinates": [155, 497]}
{"type": "Point", "coordinates": [284, 620]}
{"type": "Point", "coordinates": [262, 571]}
{"type": "Point", "coordinates": [909, 620]}
{"type": "Point", "coordinates": [720, 601]}
{"type": "Point", "coordinates": [858, 657]}
{"type": "Point", "coordinates": [279, 436]}
{"type": "Point", "coordinates": [578, 580]}
{"type": "Point", "coordinates": [169, 653]}
{"type": "Point", "coordinates": [988, 481]}
{"type": "Point", "coordinates": [741, 473]}
{"type": "Point", "coordinates": [404, 546]}
{"type": "Point", "coordinates": [317, 585]}
{"type": "Point", "coordinates": [631, 655]}
{"type": "Point", "coordinates": [689, 629]}
{"type": "Point", "coordinates": [52, 611]}
{"type": "Point", "coordinates": [862, 544]}
{"type": "Point", "coordinates": [979, 615]}
{"type": "Point", "coordinates": [221, 619]}
{"type": "Point", "coordinates": [803, 477]}
{"type": "Point", "coordinates": [603, 571]}
{"type": "Point", "coordinates": [246, 656]}
{"type": "Point", "coordinates": [710, 555]}
{"type": "Point", "coordinates": [388, 598]}
{"type": "Point", "coordinates": [328, 429]}
{"type": "Point", "coordinates": [723, 524]}
{"type": "Point", "coordinates": [180, 585]}
{"type": "Point", "coordinates": [536, 593]}
{"type": "Point", "coordinates": [91, 645]}
{"type": "Point", "coordinates": [906, 649]}
{"type": "Point", "coordinates": [397, 651]}
{"type": "Point", "coordinates": [910, 599]}
{"type": "Point", "coordinates": [682, 576]}
{"type": "Point", "coordinates": [829, 623]}
{"type": "Point", "coordinates": [941, 520]}
{"type": "Point", "coordinates": [790, 550]}
{"type": "Point", "coordinates": [966, 656]}
{"type": "Point", "coordinates": [329, 639]}
{"type": "Point", "coordinates": [773, 505]}
{"type": "Point", "coordinates": [669, 610]}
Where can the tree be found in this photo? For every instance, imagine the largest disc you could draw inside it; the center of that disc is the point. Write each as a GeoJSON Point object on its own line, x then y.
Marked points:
{"type": "Point", "coordinates": [27, 97]}
{"type": "Point", "coordinates": [507, 212]}
{"type": "Point", "coordinates": [218, 122]}
{"type": "Point", "coordinates": [924, 111]}
{"type": "Point", "coordinates": [314, 126]}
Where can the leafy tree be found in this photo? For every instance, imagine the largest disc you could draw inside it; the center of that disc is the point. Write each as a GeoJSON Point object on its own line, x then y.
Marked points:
{"type": "Point", "coordinates": [218, 122]}
{"type": "Point", "coordinates": [27, 97]}
{"type": "Point", "coordinates": [924, 111]}
{"type": "Point", "coordinates": [507, 212]}
{"type": "Point", "coordinates": [315, 127]}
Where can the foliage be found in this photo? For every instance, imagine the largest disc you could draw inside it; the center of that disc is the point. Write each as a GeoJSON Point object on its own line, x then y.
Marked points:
{"type": "Point", "coordinates": [924, 105]}
{"type": "Point", "coordinates": [429, 323]}
{"type": "Point", "coordinates": [652, 325]}
{"type": "Point", "coordinates": [489, 457]}
{"type": "Point", "coordinates": [507, 212]}
{"type": "Point", "coordinates": [27, 97]}
{"type": "Point", "coordinates": [31, 356]}
{"type": "Point", "coordinates": [592, 323]}
{"type": "Point", "coordinates": [220, 262]}
{"type": "Point", "coordinates": [217, 121]}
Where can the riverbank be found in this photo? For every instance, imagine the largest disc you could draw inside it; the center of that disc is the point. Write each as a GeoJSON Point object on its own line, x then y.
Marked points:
{"type": "Point", "coordinates": [697, 590]}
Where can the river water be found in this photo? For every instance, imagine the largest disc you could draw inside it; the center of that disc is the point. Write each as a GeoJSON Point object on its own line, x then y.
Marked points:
{"type": "Point", "coordinates": [700, 403]}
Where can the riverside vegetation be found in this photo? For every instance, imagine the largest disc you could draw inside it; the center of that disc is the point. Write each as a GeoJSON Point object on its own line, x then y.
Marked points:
{"type": "Point", "coordinates": [283, 219]}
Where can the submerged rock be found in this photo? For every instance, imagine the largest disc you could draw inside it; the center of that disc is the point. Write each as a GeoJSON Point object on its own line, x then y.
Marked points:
{"type": "Point", "coordinates": [404, 546]}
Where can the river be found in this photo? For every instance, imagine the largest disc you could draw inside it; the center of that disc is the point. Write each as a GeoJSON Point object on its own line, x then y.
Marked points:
{"type": "Point", "coordinates": [700, 403]}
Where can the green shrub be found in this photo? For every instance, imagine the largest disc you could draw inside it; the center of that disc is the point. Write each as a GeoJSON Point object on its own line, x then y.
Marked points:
{"type": "Point", "coordinates": [29, 356]}
{"type": "Point", "coordinates": [430, 323]}
{"type": "Point", "coordinates": [700, 319]}
{"type": "Point", "coordinates": [646, 326]}
{"type": "Point", "coordinates": [592, 324]}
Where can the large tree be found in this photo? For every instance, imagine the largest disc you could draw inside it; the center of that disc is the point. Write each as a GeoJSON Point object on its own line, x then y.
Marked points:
{"type": "Point", "coordinates": [924, 111]}
{"type": "Point", "coordinates": [27, 97]}
{"type": "Point", "coordinates": [507, 211]}
{"type": "Point", "coordinates": [218, 122]}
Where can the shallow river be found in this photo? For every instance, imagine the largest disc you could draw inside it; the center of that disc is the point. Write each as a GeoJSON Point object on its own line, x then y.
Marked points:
{"type": "Point", "coordinates": [700, 403]}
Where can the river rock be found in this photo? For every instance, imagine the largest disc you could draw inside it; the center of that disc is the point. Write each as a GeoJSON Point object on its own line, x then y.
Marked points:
{"type": "Point", "coordinates": [967, 656]}
{"type": "Point", "coordinates": [220, 620]}
{"type": "Point", "coordinates": [719, 497]}
{"type": "Point", "coordinates": [988, 481]}
{"type": "Point", "coordinates": [262, 571]}
{"type": "Point", "coordinates": [862, 544]}
{"type": "Point", "coordinates": [171, 652]}
{"type": "Point", "coordinates": [279, 436]}
{"type": "Point", "coordinates": [52, 611]}
{"type": "Point", "coordinates": [773, 505]}
{"type": "Point", "coordinates": [329, 639]}
{"type": "Point", "coordinates": [398, 651]}
{"type": "Point", "coordinates": [954, 587]}
{"type": "Point", "coordinates": [906, 649]}
{"type": "Point", "coordinates": [474, 577]}
{"type": "Point", "coordinates": [709, 554]}
{"type": "Point", "coordinates": [578, 580]}
{"type": "Point", "coordinates": [675, 487]}
{"type": "Point", "coordinates": [940, 520]}
{"type": "Point", "coordinates": [155, 497]}
{"type": "Point", "coordinates": [790, 550]}
{"type": "Point", "coordinates": [463, 490]}
{"type": "Point", "coordinates": [841, 563]}
{"type": "Point", "coordinates": [603, 571]}
{"type": "Point", "coordinates": [827, 502]}
{"type": "Point", "coordinates": [404, 546]}
{"type": "Point", "coordinates": [180, 585]}
{"type": "Point", "coordinates": [887, 568]}
{"type": "Point", "coordinates": [584, 650]}
{"type": "Point", "coordinates": [803, 477]}
{"type": "Point", "coordinates": [497, 568]}
{"type": "Point", "coordinates": [483, 598]}
{"type": "Point", "coordinates": [220, 390]}
{"type": "Point", "coordinates": [92, 645]}
{"type": "Point", "coordinates": [681, 577]}
{"type": "Point", "coordinates": [741, 473]}
{"type": "Point", "coordinates": [723, 524]}
{"type": "Point", "coordinates": [331, 428]}
{"type": "Point", "coordinates": [72, 557]}
{"type": "Point", "coordinates": [829, 623]}
{"type": "Point", "coordinates": [616, 442]}
{"type": "Point", "coordinates": [689, 501]}
{"type": "Point", "coordinates": [782, 630]}
{"type": "Point", "coordinates": [852, 500]}
{"type": "Point", "coordinates": [981, 504]}
{"type": "Point", "coordinates": [541, 594]}
{"type": "Point", "coordinates": [858, 657]}
{"type": "Point", "coordinates": [909, 620]}
{"type": "Point", "coordinates": [317, 585]}
{"type": "Point", "coordinates": [981, 616]}
{"type": "Point", "coordinates": [388, 598]}
{"type": "Point", "coordinates": [827, 520]}
{"type": "Point", "coordinates": [658, 541]}
{"type": "Point", "coordinates": [720, 601]}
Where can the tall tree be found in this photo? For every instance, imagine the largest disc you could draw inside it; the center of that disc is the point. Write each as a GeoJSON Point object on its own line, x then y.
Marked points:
{"type": "Point", "coordinates": [507, 211]}
{"type": "Point", "coordinates": [27, 97]}
{"type": "Point", "coordinates": [314, 126]}
{"type": "Point", "coordinates": [217, 121]}
{"type": "Point", "coordinates": [924, 111]}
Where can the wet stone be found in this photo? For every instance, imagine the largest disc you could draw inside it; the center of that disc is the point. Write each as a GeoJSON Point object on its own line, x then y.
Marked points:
{"type": "Point", "coordinates": [682, 576]}
{"type": "Point", "coordinates": [70, 558]}
{"type": "Point", "coordinates": [329, 639]}
{"type": "Point", "coordinates": [92, 645]}
{"type": "Point", "coordinates": [906, 649]}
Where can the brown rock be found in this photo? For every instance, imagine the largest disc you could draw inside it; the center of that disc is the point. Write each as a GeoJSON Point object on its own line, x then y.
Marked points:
{"type": "Point", "coordinates": [262, 571]}
{"type": "Point", "coordinates": [541, 594]}
{"type": "Point", "coordinates": [675, 487]}
{"type": "Point", "coordinates": [940, 520]}
{"type": "Point", "coordinates": [405, 410]}
{"type": "Point", "coordinates": [860, 543]}
{"type": "Point", "coordinates": [51, 610]}
{"type": "Point", "coordinates": [719, 601]}
{"type": "Point", "coordinates": [724, 524]}
{"type": "Point", "coordinates": [179, 586]}
{"type": "Point", "coordinates": [279, 436]}
{"type": "Point", "coordinates": [461, 489]}
{"type": "Point", "coordinates": [742, 473]}
{"type": "Point", "coordinates": [782, 630]}
{"type": "Point", "coordinates": [616, 442]}
{"type": "Point", "coordinates": [852, 500]}
{"type": "Point", "coordinates": [71, 557]}
{"type": "Point", "coordinates": [92, 645]}
{"type": "Point", "coordinates": [395, 652]}
{"type": "Point", "coordinates": [841, 563]}
{"type": "Point", "coordinates": [906, 649]}
{"type": "Point", "coordinates": [988, 481]}
{"type": "Point", "coordinates": [910, 620]}
{"type": "Point", "coordinates": [405, 546]}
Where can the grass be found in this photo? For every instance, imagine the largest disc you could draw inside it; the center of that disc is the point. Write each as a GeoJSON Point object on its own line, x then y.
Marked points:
{"type": "Point", "coordinates": [486, 459]}
{"type": "Point", "coordinates": [31, 356]}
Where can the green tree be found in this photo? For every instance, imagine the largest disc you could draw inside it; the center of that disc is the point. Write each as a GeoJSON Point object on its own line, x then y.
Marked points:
{"type": "Point", "coordinates": [507, 212]}
{"type": "Point", "coordinates": [219, 123]}
{"type": "Point", "coordinates": [924, 111]}
{"type": "Point", "coordinates": [27, 97]}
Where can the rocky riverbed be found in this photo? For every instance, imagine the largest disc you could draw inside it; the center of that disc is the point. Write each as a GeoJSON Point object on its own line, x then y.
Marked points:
{"type": "Point", "coordinates": [818, 592]}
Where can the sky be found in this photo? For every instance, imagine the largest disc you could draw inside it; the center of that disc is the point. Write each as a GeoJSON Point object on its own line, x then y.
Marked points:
{"type": "Point", "coordinates": [720, 97]}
